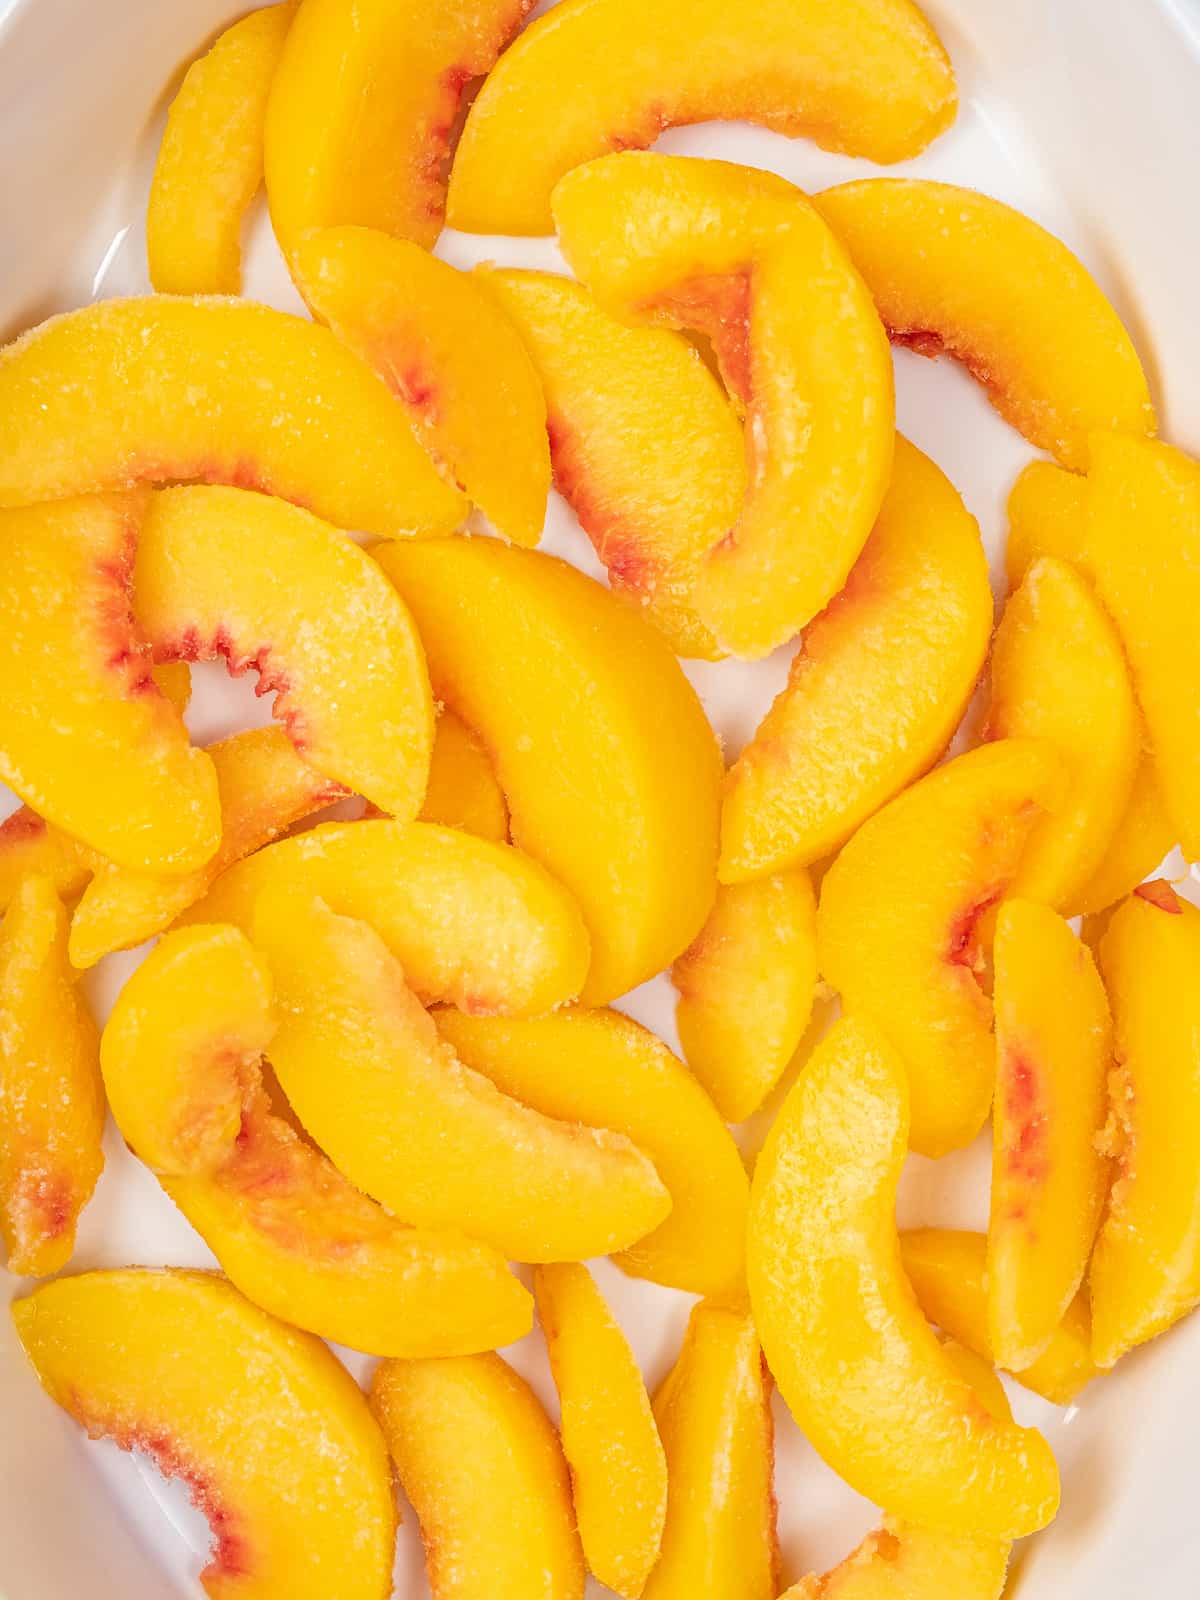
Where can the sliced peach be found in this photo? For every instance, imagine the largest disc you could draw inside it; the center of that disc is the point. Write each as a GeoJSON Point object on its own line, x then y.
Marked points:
{"type": "Point", "coordinates": [177, 1365]}
{"type": "Point", "coordinates": [30, 847]}
{"type": "Point", "coordinates": [463, 789]}
{"type": "Point", "coordinates": [744, 257]}
{"type": "Point", "coordinates": [481, 1463]}
{"type": "Point", "coordinates": [811, 69]}
{"type": "Point", "coordinates": [165, 389]}
{"type": "Point", "coordinates": [610, 767]}
{"type": "Point", "coordinates": [609, 1436]}
{"type": "Point", "coordinates": [878, 686]}
{"type": "Point", "coordinates": [210, 162]}
{"type": "Point", "coordinates": [623, 1077]}
{"type": "Point", "coordinates": [860, 1369]}
{"type": "Point", "coordinates": [898, 924]}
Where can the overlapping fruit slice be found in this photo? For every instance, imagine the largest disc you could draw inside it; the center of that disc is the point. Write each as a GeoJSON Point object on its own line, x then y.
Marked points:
{"type": "Point", "coordinates": [463, 790]}
{"type": "Point", "coordinates": [33, 848]}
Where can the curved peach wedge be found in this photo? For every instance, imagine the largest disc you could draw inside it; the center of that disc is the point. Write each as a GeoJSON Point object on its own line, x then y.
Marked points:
{"type": "Point", "coordinates": [858, 1365]}
{"type": "Point", "coordinates": [463, 790]}
{"type": "Point", "coordinates": [806, 68]}
{"type": "Point", "coordinates": [33, 848]}
{"type": "Point", "coordinates": [179, 1366]}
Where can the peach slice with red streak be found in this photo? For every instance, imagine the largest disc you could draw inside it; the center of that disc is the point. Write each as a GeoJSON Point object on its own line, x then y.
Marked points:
{"type": "Point", "coordinates": [163, 389]}
{"type": "Point", "coordinates": [464, 791]}
{"type": "Point", "coordinates": [599, 75]}
{"type": "Point", "coordinates": [177, 1365]}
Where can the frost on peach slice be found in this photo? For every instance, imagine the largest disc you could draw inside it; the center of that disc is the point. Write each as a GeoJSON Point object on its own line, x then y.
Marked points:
{"type": "Point", "coordinates": [163, 389]}
{"type": "Point", "coordinates": [177, 1365]}
{"type": "Point", "coordinates": [182, 1056]}
{"type": "Point", "coordinates": [880, 682]}
{"type": "Point", "coordinates": [867, 77]}
{"type": "Point", "coordinates": [464, 791]}
{"type": "Point", "coordinates": [860, 1369]}
{"type": "Point", "coordinates": [955, 272]}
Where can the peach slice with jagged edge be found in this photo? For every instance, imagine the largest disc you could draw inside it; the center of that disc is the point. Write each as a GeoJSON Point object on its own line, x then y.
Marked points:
{"type": "Point", "coordinates": [956, 272]}
{"type": "Point", "coordinates": [267, 1429]}
{"type": "Point", "coordinates": [861, 1370]}
{"type": "Point", "coordinates": [482, 1465]}
{"type": "Point", "coordinates": [898, 925]}
{"type": "Point", "coordinates": [743, 257]}
{"type": "Point", "coordinates": [210, 161]}
{"type": "Point", "coordinates": [182, 1055]}
{"type": "Point", "coordinates": [611, 770]}
{"type": "Point", "coordinates": [646, 447]}
{"type": "Point", "coordinates": [609, 1436]}
{"type": "Point", "coordinates": [163, 389]}
{"type": "Point", "coordinates": [880, 682]}
{"type": "Point", "coordinates": [464, 791]}
{"type": "Point", "coordinates": [867, 77]}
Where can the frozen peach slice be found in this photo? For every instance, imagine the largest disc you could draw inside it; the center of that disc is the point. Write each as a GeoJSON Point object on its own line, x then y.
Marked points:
{"type": "Point", "coordinates": [609, 765]}
{"type": "Point", "coordinates": [482, 1465]}
{"type": "Point", "coordinates": [87, 738]}
{"type": "Point", "coordinates": [878, 686]}
{"type": "Point", "coordinates": [746, 986]}
{"type": "Point", "coordinates": [624, 1078]}
{"type": "Point", "coordinates": [743, 257]}
{"type": "Point", "coordinates": [867, 77]}
{"type": "Point", "coordinates": [178, 1366]}
{"type": "Point", "coordinates": [898, 924]}
{"type": "Point", "coordinates": [463, 789]}
{"type": "Point", "coordinates": [31, 847]}
{"type": "Point", "coordinates": [165, 389]}
{"type": "Point", "coordinates": [210, 162]}
{"type": "Point", "coordinates": [646, 447]}
{"type": "Point", "coordinates": [609, 1436]}
{"type": "Point", "coordinates": [955, 272]}
{"type": "Point", "coordinates": [860, 1368]}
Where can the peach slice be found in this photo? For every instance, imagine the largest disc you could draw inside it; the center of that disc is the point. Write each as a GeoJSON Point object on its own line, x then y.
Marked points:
{"type": "Point", "coordinates": [618, 1466]}
{"type": "Point", "coordinates": [447, 350]}
{"type": "Point", "coordinates": [646, 448]}
{"type": "Point", "coordinates": [859, 1367]}
{"type": "Point", "coordinates": [210, 162]}
{"type": "Point", "coordinates": [166, 389]}
{"type": "Point", "coordinates": [624, 1078]}
{"type": "Point", "coordinates": [898, 924]}
{"type": "Point", "coordinates": [51, 1098]}
{"type": "Point", "coordinates": [746, 987]}
{"type": "Point", "coordinates": [463, 789]}
{"type": "Point", "coordinates": [179, 1366]}
{"type": "Point", "coordinates": [955, 272]}
{"type": "Point", "coordinates": [87, 738]}
{"type": "Point", "coordinates": [32, 848]}
{"type": "Point", "coordinates": [743, 257]}
{"type": "Point", "coordinates": [482, 1465]}
{"type": "Point", "coordinates": [878, 686]}
{"type": "Point", "coordinates": [810, 69]}
{"type": "Point", "coordinates": [610, 767]}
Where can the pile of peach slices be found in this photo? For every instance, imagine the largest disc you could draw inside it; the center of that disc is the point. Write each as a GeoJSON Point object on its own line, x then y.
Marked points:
{"type": "Point", "coordinates": [374, 1060]}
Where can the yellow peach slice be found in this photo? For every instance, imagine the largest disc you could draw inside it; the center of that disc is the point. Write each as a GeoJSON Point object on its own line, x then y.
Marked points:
{"type": "Point", "coordinates": [646, 448]}
{"type": "Point", "coordinates": [898, 924]}
{"type": "Point", "coordinates": [744, 257]}
{"type": "Point", "coordinates": [859, 1367]}
{"type": "Point", "coordinates": [609, 1436]}
{"type": "Point", "coordinates": [177, 1365]}
{"type": "Point", "coordinates": [609, 765]}
{"type": "Point", "coordinates": [166, 389]}
{"type": "Point", "coordinates": [210, 162]}
{"type": "Point", "coordinates": [33, 848]}
{"type": "Point", "coordinates": [746, 986]}
{"type": "Point", "coordinates": [463, 789]}
{"type": "Point", "coordinates": [878, 686]}
{"type": "Point", "coordinates": [624, 1078]}
{"type": "Point", "coordinates": [806, 68]}
{"type": "Point", "coordinates": [482, 1465]}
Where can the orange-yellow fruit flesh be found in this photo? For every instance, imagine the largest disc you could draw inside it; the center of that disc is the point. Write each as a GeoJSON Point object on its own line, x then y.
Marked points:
{"type": "Point", "coordinates": [898, 924]}
{"type": "Point", "coordinates": [210, 162]}
{"type": "Point", "coordinates": [646, 447]}
{"type": "Point", "coordinates": [30, 847]}
{"type": "Point", "coordinates": [600, 75]}
{"type": "Point", "coordinates": [482, 1465]}
{"type": "Point", "coordinates": [878, 686]}
{"type": "Point", "coordinates": [956, 272]}
{"type": "Point", "coordinates": [262, 1423]}
{"type": "Point", "coordinates": [212, 390]}
{"type": "Point", "coordinates": [463, 790]}
{"type": "Point", "coordinates": [448, 352]}
{"type": "Point", "coordinates": [1049, 1178]}
{"type": "Point", "coordinates": [609, 1436]}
